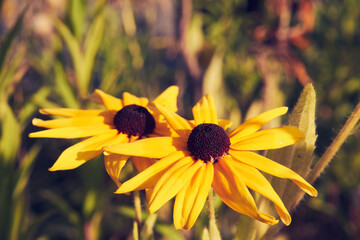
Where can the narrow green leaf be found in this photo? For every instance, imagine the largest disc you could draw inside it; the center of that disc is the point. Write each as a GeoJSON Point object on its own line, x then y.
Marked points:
{"type": "Point", "coordinates": [7, 41]}
{"type": "Point", "coordinates": [77, 11]}
{"type": "Point", "coordinates": [75, 52]}
{"type": "Point", "coordinates": [63, 87]}
{"type": "Point", "coordinates": [10, 134]}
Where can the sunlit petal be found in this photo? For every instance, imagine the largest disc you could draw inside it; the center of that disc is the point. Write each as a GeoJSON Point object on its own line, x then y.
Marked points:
{"type": "Point", "coordinates": [71, 122]}
{"type": "Point", "coordinates": [180, 125]}
{"type": "Point", "coordinates": [269, 139]}
{"type": "Point", "coordinates": [113, 165]}
{"type": "Point", "coordinates": [168, 98]}
{"type": "Point", "coordinates": [157, 147]}
{"type": "Point", "coordinates": [83, 151]}
{"type": "Point", "coordinates": [201, 188]}
{"type": "Point", "coordinates": [71, 132]}
{"type": "Point", "coordinates": [254, 124]}
{"type": "Point", "coordinates": [68, 112]}
{"type": "Point", "coordinates": [257, 182]}
{"type": "Point", "coordinates": [225, 124]}
{"type": "Point", "coordinates": [142, 163]}
{"type": "Point", "coordinates": [172, 181]}
{"type": "Point", "coordinates": [233, 191]}
{"type": "Point", "coordinates": [150, 176]}
{"type": "Point", "coordinates": [266, 165]}
{"type": "Point", "coordinates": [110, 102]}
{"type": "Point", "coordinates": [129, 99]}
{"type": "Point", "coordinates": [204, 111]}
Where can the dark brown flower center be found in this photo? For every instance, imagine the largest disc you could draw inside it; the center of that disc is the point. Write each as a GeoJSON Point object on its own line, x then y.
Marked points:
{"type": "Point", "coordinates": [208, 142]}
{"type": "Point", "coordinates": [134, 120]}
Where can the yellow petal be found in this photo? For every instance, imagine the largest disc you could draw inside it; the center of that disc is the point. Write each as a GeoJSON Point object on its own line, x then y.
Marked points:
{"type": "Point", "coordinates": [72, 122]}
{"type": "Point", "coordinates": [257, 182]}
{"type": "Point", "coordinates": [180, 125]}
{"type": "Point", "coordinates": [233, 191]}
{"type": "Point", "coordinates": [162, 128]}
{"type": "Point", "coordinates": [204, 111]}
{"type": "Point", "coordinates": [179, 220]}
{"type": "Point", "coordinates": [129, 99]}
{"type": "Point", "coordinates": [157, 147]}
{"type": "Point", "coordinates": [254, 124]}
{"type": "Point", "coordinates": [150, 176]}
{"type": "Point", "coordinates": [113, 165]}
{"type": "Point", "coordinates": [142, 163]}
{"type": "Point", "coordinates": [168, 98]}
{"type": "Point", "coordinates": [201, 188]}
{"type": "Point", "coordinates": [172, 181]}
{"type": "Point", "coordinates": [269, 139]}
{"type": "Point", "coordinates": [225, 124]}
{"type": "Point", "coordinates": [68, 112]}
{"type": "Point", "coordinates": [83, 151]}
{"type": "Point", "coordinates": [266, 165]}
{"type": "Point", "coordinates": [71, 132]}
{"type": "Point", "coordinates": [110, 102]}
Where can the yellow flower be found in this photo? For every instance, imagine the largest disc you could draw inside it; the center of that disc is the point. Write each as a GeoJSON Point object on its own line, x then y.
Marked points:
{"type": "Point", "coordinates": [124, 120]}
{"type": "Point", "coordinates": [203, 155]}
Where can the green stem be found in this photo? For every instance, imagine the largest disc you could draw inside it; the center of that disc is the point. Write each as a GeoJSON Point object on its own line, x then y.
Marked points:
{"type": "Point", "coordinates": [137, 205]}
{"type": "Point", "coordinates": [214, 231]}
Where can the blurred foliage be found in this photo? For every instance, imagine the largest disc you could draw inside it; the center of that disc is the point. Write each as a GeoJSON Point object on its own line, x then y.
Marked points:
{"type": "Point", "coordinates": [252, 55]}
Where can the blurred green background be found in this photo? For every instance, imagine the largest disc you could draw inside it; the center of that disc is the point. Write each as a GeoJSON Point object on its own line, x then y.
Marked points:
{"type": "Point", "coordinates": [252, 55]}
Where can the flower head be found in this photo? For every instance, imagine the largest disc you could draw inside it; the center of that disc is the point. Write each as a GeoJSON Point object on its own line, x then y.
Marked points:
{"type": "Point", "coordinates": [203, 155]}
{"type": "Point", "coordinates": [124, 120]}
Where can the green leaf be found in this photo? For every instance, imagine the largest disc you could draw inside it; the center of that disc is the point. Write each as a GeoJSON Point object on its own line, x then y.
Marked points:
{"type": "Point", "coordinates": [298, 157]}
{"type": "Point", "coordinates": [205, 235]}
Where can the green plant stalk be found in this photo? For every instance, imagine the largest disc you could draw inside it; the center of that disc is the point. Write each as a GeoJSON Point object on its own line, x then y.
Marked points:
{"type": "Point", "coordinates": [330, 152]}
{"type": "Point", "coordinates": [137, 205]}
{"type": "Point", "coordinates": [214, 231]}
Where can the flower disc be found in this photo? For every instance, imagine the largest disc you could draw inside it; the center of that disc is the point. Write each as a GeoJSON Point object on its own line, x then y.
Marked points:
{"type": "Point", "coordinates": [208, 142]}
{"type": "Point", "coordinates": [134, 120]}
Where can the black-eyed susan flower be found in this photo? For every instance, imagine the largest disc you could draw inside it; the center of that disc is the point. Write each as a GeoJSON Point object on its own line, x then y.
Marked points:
{"type": "Point", "coordinates": [124, 120]}
{"type": "Point", "coordinates": [203, 155]}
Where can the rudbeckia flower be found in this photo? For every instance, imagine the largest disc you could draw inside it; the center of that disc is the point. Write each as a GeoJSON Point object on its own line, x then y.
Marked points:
{"type": "Point", "coordinates": [124, 120]}
{"type": "Point", "coordinates": [203, 155]}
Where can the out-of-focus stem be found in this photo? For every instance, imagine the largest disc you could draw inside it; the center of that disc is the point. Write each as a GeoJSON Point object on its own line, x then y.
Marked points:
{"type": "Point", "coordinates": [331, 150]}
{"type": "Point", "coordinates": [214, 231]}
{"type": "Point", "coordinates": [137, 205]}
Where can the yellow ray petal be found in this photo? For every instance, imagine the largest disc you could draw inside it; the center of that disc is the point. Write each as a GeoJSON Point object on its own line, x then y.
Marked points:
{"type": "Point", "coordinates": [202, 187]}
{"type": "Point", "coordinates": [232, 190]}
{"type": "Point", "coordinates": [266, 165]}
{"type": "Point", "coordinates": [254, 124]}
{"type": "Point", "coordinates": [204, 111]}
{"type": "Point", "coordinates": [163, 129]}
{"type": "Point", "coordinates": [185, 199]}
{"type": "Point", "coordinates": [142, 163]}
{"type": "Point", "coordinates": [129, 99]}
{"type": "Point", "coordinates": [179, 220]}
{"type": "Point", "coordinates": [83, 151]}
{"type": "Point", "coordinates": [68, 112]}
{"type": "Point", "coordinates": [257, 182]}
{"type": "Point", "coordinates": [180, 125]}
{"type": "Point", "coordinates": [157, 147]}
{"type": "Point", "coordinates": [71, 132]}
{"type": "Point", "coordinates": [172, 181]}
{"type": "Point", "coordinates": [225, 124]}
{"type": "Point", "coordinates": [71, 122]}
{"type": "Point", "coordinates": [113, 165]}
{"type": "Point", "coordinates": [110, 102]}
{"type": "Point", "coordinates": [168, 98]}
{"type": "Point", "coordinates": [269, 139]}
{"type": "Point", "coordinates": [149, 176]}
